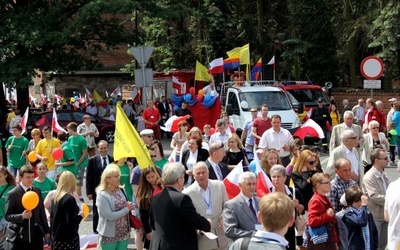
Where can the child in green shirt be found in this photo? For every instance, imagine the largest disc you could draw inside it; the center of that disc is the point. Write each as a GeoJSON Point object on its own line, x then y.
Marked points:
{"type": "Point", "coordinates": [392, 136]}
{"type": "Point", "coordinates": [42, 182]}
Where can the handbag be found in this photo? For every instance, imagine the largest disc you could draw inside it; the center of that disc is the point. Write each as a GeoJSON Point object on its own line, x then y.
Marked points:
{"type": "Point", "coordinates": [134, 221]}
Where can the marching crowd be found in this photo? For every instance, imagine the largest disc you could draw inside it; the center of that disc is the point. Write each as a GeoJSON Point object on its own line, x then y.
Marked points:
{"type": "Point", "coordinates": [183, 202]}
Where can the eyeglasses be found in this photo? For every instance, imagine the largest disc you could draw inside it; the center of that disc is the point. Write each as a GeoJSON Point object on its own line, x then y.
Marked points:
{"type": "Point", "coordinates": [311, 162]}
{"type": "Point", "coordinates": [374, 127]}
{"type": "Point", "coordinates": [325, 182]}
{"type": "Point", "coordinates": [384, 158]}
{"type": "Point", "coordinates": [353, 138]}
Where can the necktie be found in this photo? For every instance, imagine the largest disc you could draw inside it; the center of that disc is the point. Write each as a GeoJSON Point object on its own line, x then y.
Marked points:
{"type": "Point", "coordinates": [219, 173]}
{"type": "Point", "coordinates": [252, 208]}
{"type": "Point", "coordinates": [104, 162]}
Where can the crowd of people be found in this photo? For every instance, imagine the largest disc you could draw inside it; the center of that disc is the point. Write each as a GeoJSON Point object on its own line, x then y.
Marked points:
{"type": "Point", "coordinates": [182, 201]}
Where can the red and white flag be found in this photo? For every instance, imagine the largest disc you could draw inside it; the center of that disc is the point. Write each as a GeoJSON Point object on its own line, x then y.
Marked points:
{"type": "Point", "coordinates": [24, 120]}
{"type": "Point", "coordinates": [217, 66]}
{"type": "Point", "coordinates": [117, 92]}
{"type": "Point", "coordinates": [89, 95]}
{"type": "Point", "coordinates": [171, 125]}
{"type": "Point", "coordinates": [311, 128]}
{"type": "Point", "coordinates": [54, 123]}
{"type": "Point", "coordinates": [134, 93]}
{"type": "Point", "coordinates": [263, 182]}
{"type": "Point", "coordinates": [59, 98]}
{"type": "Point", "coordinates": [272, 61]}
{"type": "Point", "coordinates": [176, 84]}
{"type": "Point", "coordinates": [43, 99]}
{"type": "Point", "coordinates": [231, 181]}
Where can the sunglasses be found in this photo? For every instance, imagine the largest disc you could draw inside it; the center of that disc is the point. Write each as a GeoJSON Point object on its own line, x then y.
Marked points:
{"type": "Point", "coordinates": [311, 162]}
{"type": "Point", "coordinates": [374, 127]}
{"type": "Point", "coordinates": [353, 138]}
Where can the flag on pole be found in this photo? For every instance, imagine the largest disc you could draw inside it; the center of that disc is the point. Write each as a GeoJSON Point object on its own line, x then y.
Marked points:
{"type": "Point", "coordinates": [117, 92]}
{"type": "Point", "coordinates": [54, 123]}
{"type": "Point", "coordinates": [201, 73]}
{"type": "Point", "coordinates": [176, 84]}
{"type": "Point", "coordinates": [272, 61]}
{"type": "Point", "coordinates": [245, 54]}
{"type": "Point", "coordinates": [127, 142]}
{"type": "Point", "coordinates": [217, 66]}
{"type": "Point", "coordinates": [24, 120]}
{"type": "Point", "coordinates": [231, 181]}
{"type": "Point", "coordinates": [96, 96]}
{"type": "Point", "coordinates": [311, 128]}
{"type": "Point", "coordinates": [257, 69]}
{"type": "Point", "coordinates": [231, 63]}
{"type": "Point", "coordinates": [134, 93]}
{"type": "Point", "coordinates": [234, 53]}
{"type": "Point", "coordinates": [263, 182]}
{"type": "Point", "coordinates": [89, 95]}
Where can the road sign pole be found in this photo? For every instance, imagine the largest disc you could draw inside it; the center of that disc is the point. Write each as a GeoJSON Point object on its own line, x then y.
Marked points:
{"type": "Point", "coordinates": [144, 78]}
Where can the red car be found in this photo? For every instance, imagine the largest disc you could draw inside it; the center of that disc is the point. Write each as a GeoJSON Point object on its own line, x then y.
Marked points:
{"type": "Point", "coordinates": [39, 120]}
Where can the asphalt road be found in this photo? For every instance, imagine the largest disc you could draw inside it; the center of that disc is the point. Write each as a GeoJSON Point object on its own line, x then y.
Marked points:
{"type": "Point", "coordinates": [86, 225]}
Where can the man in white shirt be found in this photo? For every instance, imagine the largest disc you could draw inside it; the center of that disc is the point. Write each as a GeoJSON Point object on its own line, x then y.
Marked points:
{"type": "Point", "coordinates": [222, 134]}
{"type": "Point", "coordinates": [277, 138]}
{"type": "Point", "coordinates": [392, 211]}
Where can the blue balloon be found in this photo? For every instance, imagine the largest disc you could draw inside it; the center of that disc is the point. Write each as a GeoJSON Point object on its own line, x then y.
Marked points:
{"type": "Point", "coordinates": [176, 108]}
{"type": "Point", "coordinates": [76, 98]}
{"type": "Point", "coordinates": [207, 97]}
{"type": "Point", "coordinates": [188, 97]}
{"type": "Point", "coordinates": [114, 101]}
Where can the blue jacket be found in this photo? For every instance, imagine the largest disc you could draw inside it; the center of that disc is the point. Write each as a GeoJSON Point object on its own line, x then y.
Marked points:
{"type": "Point", "coordinates": [356, 219]}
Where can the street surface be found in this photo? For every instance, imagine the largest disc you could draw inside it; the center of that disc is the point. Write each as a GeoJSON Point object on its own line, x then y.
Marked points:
{"type": "Point", "coordinates": [86, 225]}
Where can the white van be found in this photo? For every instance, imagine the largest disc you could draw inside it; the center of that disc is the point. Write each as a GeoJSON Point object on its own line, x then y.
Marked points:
{"type": "Point", "coordinates": [239, 101]}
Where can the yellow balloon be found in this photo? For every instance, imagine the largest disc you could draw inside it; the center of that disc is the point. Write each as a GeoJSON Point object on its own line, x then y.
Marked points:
{"type": "Point", "coordinates": [85, 209]}
{"type": "Point", "coordinates": [32, 156]}
{"type": "Point", "coordinates": [30, 200]}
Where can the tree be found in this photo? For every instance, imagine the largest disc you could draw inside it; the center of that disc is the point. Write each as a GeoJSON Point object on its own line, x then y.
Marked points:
{"type": "Point", "coordinates": [57, 36]}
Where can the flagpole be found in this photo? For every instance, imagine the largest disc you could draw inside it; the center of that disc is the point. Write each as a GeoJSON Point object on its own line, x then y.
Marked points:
{"type": "Point", "coordinates": [274, 71]}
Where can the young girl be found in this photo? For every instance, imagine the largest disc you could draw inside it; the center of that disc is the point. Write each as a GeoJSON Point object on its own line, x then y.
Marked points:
{"type": "Point", "coordinates": [44, 183]}
{"type": "Point", "coordinates": [7, 182]}
{"type": "Point", "coordinates": [359, 221]}
{"type": "Point", "coordinates": [179, 138]}
{"type": "Point", "coordinates": [149, 186]}
{"type": "Point", "coordinates": [126, 167]}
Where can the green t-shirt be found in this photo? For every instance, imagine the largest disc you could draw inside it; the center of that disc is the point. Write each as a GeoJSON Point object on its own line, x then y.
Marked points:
{"type": "Point", "coordinates": [160, 164]}
{"type": "Point", "coordinates": [78, 144]}
{"type": "Point", "coordinates": [126, 181]}
{"type": "Point", "coordinates": [45, 186]}
{"type": "Point", "coordinates": [392, 137]}
{"type": "Point", "coordinates": [3, 199]}
{"type": "Point", "coordinates": [15, 157]}
{"type": "Point", "coordinates": [68, 156]}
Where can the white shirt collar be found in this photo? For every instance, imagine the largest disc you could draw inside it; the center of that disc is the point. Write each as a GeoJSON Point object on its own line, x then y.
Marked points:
{"type": "Point", "coordinates": [272, 236]}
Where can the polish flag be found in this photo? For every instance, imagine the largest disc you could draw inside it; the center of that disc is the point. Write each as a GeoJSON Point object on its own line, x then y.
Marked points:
{"type": "Point", "coordinates": [89, 95]}
{"type": "Point", "coordinates": [59, 98]}
{"type": "Point", "coordinates": [133, 93]}
{"type": "Point", "coordinates": [231, 181]}
{"type": "Point", "coordinates": [176, 84]}
{"type": "Point", "coordinates": [171, 125]}
{"type": "Point", "coordinates": [54, 123]}
{"type": "Point", "coordinates": [117, 92]}
{"type": "Point", "coordinates": [272, 61]}
{"type": "Point", "coordinates": [311, 128]}
{"type": "Point", "coordinates": [217, 66]}
{"type": "Point", "coordinates": [24, 120]}
{"type": "Point", "coordinates": [263, 182]}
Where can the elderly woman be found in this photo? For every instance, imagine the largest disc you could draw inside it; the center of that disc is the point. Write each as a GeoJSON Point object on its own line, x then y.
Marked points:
{"type": "Point", "coordinates": [194, 154]}
{"type": "Point", "coordinates": [113, 207]}
{"type": "Point", "coordinates": [194, 132]}
{"type": "Point", "coordinates": [278, 178]}
{"type": "Point", "coordinates": [373, 139]}
{"type": "Point", "coordinates": [235, 153]}
{"type": "Point", "coordinates": [321, 214]}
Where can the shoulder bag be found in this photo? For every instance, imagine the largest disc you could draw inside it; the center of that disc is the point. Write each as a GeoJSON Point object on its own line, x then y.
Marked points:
{"type": "Point", "coordinates": [134, 221]}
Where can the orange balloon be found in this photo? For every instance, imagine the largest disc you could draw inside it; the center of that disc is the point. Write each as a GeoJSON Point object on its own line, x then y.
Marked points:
{"type": "Point", "coordinates": [30, 200]}
{"type": "Point", "coordinates": [85, 209]}
{"type": "Point", "coordinates": [32, 156]}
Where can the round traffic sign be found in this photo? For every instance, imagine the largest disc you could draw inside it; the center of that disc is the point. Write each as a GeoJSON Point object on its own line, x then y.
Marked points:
{"type": "Point", "coordinates": [372, 68]}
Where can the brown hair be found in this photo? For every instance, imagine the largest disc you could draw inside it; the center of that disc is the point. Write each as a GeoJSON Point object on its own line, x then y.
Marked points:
{"type": "Point", "coordinates": [303, 158]}
{"type": "Point", "coordinates": [353, 194]}
{"type": "Point", "coordinates": [264, 162]}
{"type": "Point", "coordinates": [318, 177]}
{"type": "Point", "coordinates": [276, 211]}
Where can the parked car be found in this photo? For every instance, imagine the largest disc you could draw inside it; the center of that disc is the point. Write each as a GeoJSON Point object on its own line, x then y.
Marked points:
{"type": "Point", "coordinates": [64, 116]}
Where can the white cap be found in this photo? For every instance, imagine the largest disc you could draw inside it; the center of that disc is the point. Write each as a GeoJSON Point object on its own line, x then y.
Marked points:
{"type": "Point", "coordinates": [146, 132]}
{"type": "Point", "coordinates": [392, 100]}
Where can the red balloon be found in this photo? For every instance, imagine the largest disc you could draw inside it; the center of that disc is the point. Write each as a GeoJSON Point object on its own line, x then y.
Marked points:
{"type": "Point", "coordinates": [192, 91]}
{"type": "Point", "coordinates": [212, 131]}
{"type": "Point", "coordinates": [200, 98]}
{"type": "Point", "coordinates": [57, 154]}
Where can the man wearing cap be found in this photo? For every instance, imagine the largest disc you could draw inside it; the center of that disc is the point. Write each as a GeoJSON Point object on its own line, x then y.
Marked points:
{"type": "Point", "coordinates": [217, 169]}
{"type": "Point", "coordinates": [321, 116]}
{"type": "Point", "coordinates": [147, 136]}
{"type": "Point", "coordinates": [358, 111]}
{"type": "Point", "coordinates": [389, 117]}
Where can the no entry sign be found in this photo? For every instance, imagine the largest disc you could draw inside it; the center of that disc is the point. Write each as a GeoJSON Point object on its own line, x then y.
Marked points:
{"type": "Point", "coordinates": [372, 68]}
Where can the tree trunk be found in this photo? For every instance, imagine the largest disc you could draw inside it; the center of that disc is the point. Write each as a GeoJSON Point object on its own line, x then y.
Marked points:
{"type": "Point", "coordinates": [351, 45]}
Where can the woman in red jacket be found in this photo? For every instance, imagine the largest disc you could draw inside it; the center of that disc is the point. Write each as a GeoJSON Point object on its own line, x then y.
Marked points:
{"type": "Point", "coordinates": [372, 113]}
{"type": "Point", "coordinates": [321, 214]}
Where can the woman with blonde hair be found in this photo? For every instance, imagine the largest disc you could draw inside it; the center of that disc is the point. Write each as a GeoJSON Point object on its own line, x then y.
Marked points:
{"type": "Point", "coordinates": [113, 207]}
{"type": "Point", "coordinates": [65, 214]}
{"type": "Point", "coordinates": [235, 153]}
{"type": "Point", "coordinates": [268, 159]}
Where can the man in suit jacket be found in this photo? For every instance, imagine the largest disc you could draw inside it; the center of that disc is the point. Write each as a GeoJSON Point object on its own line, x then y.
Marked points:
{"type": "Point", "coordinates": [348, 151]}
{"type": "Point", "coordinates": [173, 217]}
{"type": "Point", "coordinates": [346, 107]}
{"type": "Point", "coordinates": [94, 170]}
{"type": "Point", "coordinates": [19, 217]}
{"type": "Point", "coordinates": [208, 198]}
{"type": "Point", "coordinates": [348, 124]}
{"type": "Point", "coordinates": [240, 215]}
{"type": "Point", "coordinates": [374, 185]}
{"type": "Point", "coordinates": [217, 169]}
